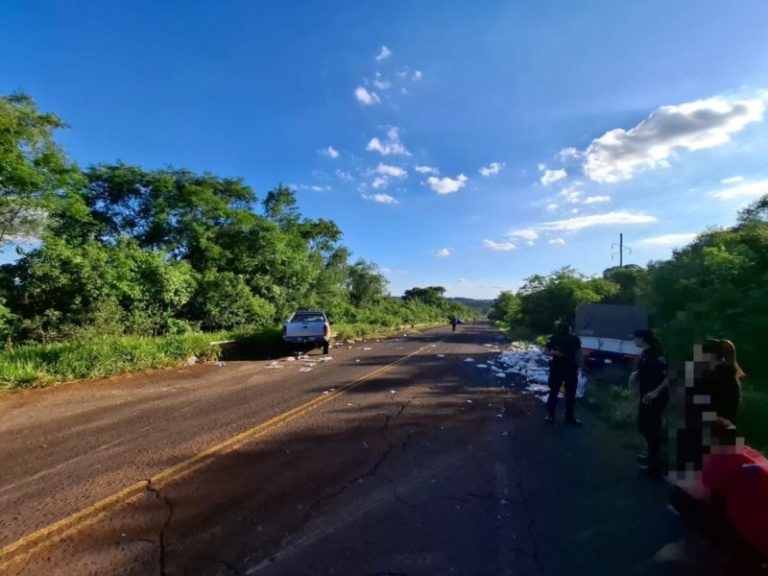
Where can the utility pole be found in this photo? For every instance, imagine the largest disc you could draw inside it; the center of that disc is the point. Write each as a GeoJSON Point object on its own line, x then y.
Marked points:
{"type": "Point", "coordinates": [621, 250]}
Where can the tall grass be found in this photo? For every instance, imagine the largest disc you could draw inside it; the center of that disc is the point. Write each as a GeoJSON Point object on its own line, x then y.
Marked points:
{"type": "Point", "coordinates": [41, 365]}
{"type": "Point", "coordinates": [350, 331]}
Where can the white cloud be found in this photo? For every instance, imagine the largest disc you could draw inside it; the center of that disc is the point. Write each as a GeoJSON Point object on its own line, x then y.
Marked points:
{"type": "Point", "coordinates": [596, 199]}
{"type": "Point", "coordinates": [342, 175]}
{"type": "Point", "coordinates": [383, 54]}
{"type": "Point", "coordinates": [568, 154]}
{"type": "Point", "coordinates": [365, 97]}
{"type": "Point", "coordinates": [551, 207]}
{"type": "Point", "coordinates": [732, 180]}
{"type": "Point", "coordinates": [381, 198]}
{"type": "Point", "coordinates": [618, 154]}
{"type": "Point", "coordinates": [557, 241]}
{"type": "Point", "coordinates": [443, 253]}
{"type": "Point", "coordinates": [571, 194]}
{"type": "Point", "coordinates": [498, 246]}
{"type": "Point", "coordinates": [427, 170]}
{"type": "Point", "coordinates": [311, 187]}
{"type": "Point", "coordinates": [329, 152]}
{"type": "Point", "coordinates": [391, 146]}
{"type": "Point", "coordinates": [417, 75]}
{"type": "Point", "coordinates": [608, 219]}
{"type": "Point", "coordinates": [669, 240]}
{"type": "Point", "coordinates": [492, 169]}
{"type": "Point", "coordinates": [744, 191]}
{"type": "Point", "coordinates": [526, 234]}
{"type": "Point", "coordinates": [381, 83]}
{"type": "Point", "coordinates": [380, 182]}
{"type": "Point", "coordinates": [390, 171]}
{"type": "Point", "coordinates": [551, 176]}
{"type": "Point", "coordinates": [447, 185]}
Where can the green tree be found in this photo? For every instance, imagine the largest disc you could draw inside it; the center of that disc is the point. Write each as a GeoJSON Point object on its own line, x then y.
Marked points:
{"type": "Point", "coordinates": [35, 176]}
{"type": "Point", "coordinates": [223, 301]}
{"type": "Point", "coordinates": [366, 285]}
{"type": "Point", "coordinates": [506, 308]}
{"type": "Point", "coordinates": [544, 300]}
{"type": "Point", "coordinates": [632, 281]}
{"type": "Point", "coordinates": [431, 295]}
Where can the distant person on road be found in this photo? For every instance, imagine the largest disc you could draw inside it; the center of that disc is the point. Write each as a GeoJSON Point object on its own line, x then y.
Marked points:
{"type": "Point", "coordinates": [653, 388]}
{"type": "Point", "coordinates": [454, 322]}
{"type": "Point", "coordinates": [565, 349]}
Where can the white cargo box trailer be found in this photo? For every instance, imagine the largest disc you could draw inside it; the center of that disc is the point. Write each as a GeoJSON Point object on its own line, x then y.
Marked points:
{"type": "Point", "coordinates": [605, 330]}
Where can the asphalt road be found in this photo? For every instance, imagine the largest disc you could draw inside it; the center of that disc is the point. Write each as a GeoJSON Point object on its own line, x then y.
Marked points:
{"type": "Point", "coordinates": [394, 457]}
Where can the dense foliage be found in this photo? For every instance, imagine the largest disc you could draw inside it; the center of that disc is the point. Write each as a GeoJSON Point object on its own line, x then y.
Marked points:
{"type": "Point", "coordinates": [121, 250]}
{"type": "Point", "coordinates": [715, 287]}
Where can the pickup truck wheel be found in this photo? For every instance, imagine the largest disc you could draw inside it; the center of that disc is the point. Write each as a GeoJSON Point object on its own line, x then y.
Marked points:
{"type": "Point", "coordinates": [326, 347]}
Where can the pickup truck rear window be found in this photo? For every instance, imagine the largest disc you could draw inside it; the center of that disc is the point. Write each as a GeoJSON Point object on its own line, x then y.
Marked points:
{"type": "Point", "coordinates": [308, 318]}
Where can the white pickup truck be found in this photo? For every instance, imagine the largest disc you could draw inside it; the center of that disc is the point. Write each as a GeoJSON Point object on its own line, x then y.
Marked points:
{"type": "Point", "coordinates": [307, 329]}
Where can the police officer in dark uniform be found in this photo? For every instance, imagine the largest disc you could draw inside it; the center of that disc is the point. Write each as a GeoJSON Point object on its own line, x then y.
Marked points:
{"type": "Point", "coordinates": [653, 386]}
{"type": "Point", "coordinates": [565, 349]}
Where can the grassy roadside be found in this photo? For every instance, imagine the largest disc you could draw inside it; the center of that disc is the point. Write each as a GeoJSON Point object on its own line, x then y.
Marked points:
{"type": "Point", "coordinates": [42, 365]}
{"type": "Point", "coordinates": [345, 331]}
{"type": "Point", "coordinates": [610, 398]}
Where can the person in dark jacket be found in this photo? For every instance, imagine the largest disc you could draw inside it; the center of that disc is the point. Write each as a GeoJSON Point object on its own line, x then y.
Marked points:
{"type": "Point", "coordinates": [653, 388]}
{"type": "Point", "coordinates": [565, 349]}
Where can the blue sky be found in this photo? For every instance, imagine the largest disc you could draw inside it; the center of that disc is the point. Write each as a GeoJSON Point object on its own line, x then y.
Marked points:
{"type": "Point", "coordinates": [461, 144]}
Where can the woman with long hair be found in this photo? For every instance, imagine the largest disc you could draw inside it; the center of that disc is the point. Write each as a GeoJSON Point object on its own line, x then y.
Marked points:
{"type": "Point", "coordinates": [724, 381]}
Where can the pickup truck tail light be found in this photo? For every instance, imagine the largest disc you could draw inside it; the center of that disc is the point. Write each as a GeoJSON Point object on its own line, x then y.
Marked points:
{"type": "Point", "coordinates": [326, 329]}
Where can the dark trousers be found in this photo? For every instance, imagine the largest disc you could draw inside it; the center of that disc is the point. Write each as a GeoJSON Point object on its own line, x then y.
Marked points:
{"type": "Point", "coordinates": [649, 425]}
{"type": "Point", "coordinates": [563, 376]}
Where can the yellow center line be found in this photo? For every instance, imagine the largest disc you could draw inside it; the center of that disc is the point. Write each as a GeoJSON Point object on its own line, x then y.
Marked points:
{"type": "Point", "coordinates": [32, 543]}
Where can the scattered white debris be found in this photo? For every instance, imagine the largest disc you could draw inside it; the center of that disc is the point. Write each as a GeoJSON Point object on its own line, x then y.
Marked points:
{"type": "Point", "coordinates": [274, 365]}
{"type": "Point", "coordinates": [469, 401]}
{"type": "Point", "coordinates": [393, 391]}
{"type": "Point", "coordinates": [220, 364]}
{"type": "Point", "coordinates": [366, 349]}
{"type": "Point", "coordinates": [325, 359]}
{"type": "Point", "coordinates": [537, 388]}
{"type": "Point", "coordinates": [482, 365]}
{"type": "Point", "coordinates": [305, 369]}
{"type": "Point", "coordinates": [505, 433]}
{"type": "Point", "coordinates": [469, 359]}
{"type": "Point", "coordinates": [192, 360]}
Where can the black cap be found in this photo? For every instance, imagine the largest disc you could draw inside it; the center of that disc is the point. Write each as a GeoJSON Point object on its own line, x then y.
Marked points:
{"type": "Point", "coordinates": [645, 334]}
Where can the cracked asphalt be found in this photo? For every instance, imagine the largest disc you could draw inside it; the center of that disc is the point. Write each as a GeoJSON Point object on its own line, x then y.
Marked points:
{"type": "Point", "coordinates": [430, 467]}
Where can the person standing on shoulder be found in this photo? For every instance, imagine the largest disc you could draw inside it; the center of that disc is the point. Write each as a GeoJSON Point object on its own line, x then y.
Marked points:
{"type": "Point", "coordinates": [564, 347]}
{"type": "Point", "coordinates": [653, 387]}
{"type": "Point", "coordinates": [454, 322]}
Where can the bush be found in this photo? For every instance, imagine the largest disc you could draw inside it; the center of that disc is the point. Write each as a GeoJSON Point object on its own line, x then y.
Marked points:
{"type": "Point", "coordinates": [224, 301]}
